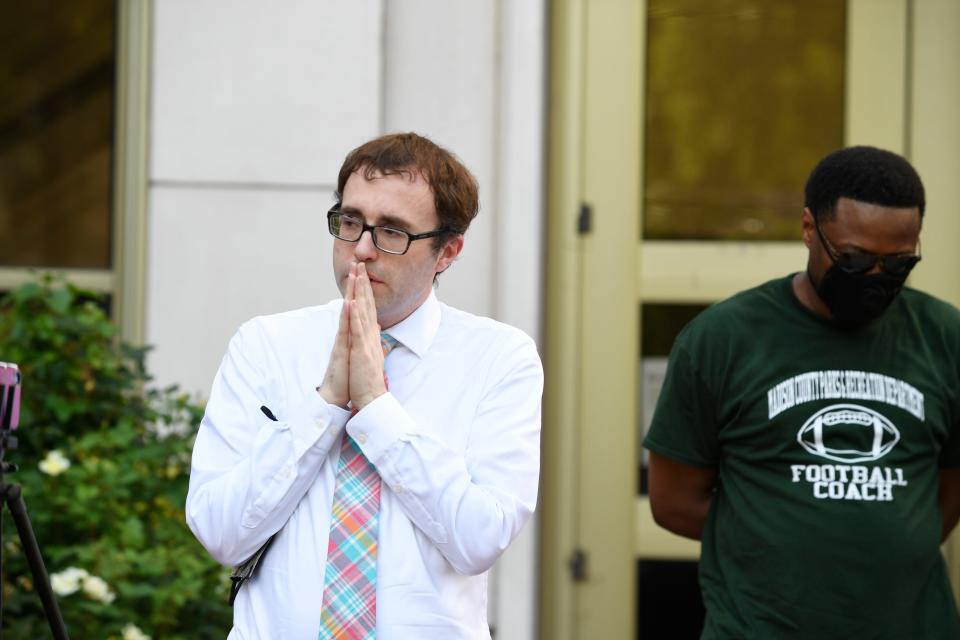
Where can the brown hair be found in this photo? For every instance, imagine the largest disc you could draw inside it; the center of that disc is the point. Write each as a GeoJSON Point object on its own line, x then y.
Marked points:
{"type": "Point", "coordinates": [455, 191]}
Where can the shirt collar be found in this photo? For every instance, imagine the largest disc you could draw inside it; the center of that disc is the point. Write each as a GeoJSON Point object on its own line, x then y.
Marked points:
{"type": "Point", "coordinates": [417, 330]}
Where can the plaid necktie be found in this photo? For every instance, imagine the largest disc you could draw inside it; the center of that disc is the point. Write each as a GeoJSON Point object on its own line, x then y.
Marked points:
{"type": "Point", "coordinates": [349, 607]}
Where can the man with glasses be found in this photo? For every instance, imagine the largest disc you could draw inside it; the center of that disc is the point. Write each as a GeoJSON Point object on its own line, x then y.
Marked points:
{"type": "Point", "coordinates": [376, 454]}
{"type": "Point", "coordinates": [808, 430]}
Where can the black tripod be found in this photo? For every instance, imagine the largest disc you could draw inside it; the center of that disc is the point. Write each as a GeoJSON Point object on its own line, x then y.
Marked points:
{"type": "Point", "coordinates": [13, 498]}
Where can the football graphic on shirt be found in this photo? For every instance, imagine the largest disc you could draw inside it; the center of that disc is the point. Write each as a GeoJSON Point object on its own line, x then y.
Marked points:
{"type": "Point", "coordinates": [848, 433]}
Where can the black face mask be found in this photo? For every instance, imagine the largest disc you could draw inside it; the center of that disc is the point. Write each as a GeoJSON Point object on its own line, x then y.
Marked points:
{"type": "Point", "coordinates": [855, 299]}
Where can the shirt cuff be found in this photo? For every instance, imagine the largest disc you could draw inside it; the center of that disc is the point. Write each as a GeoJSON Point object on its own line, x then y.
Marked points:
{"type": "Point", "coordinates": [379, 426]}
{"type": "Point", "coordinates": [315, 423]}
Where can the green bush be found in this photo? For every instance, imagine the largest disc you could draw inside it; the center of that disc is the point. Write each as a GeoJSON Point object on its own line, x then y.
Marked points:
{"type": "Point", "coordinates": [116, 513]}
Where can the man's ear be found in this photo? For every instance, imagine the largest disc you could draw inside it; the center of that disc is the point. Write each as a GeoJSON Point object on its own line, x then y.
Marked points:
{"type": "Point", "coordinates": [451, 249]}
{"type": "Point", "coordinates": [808, 226]}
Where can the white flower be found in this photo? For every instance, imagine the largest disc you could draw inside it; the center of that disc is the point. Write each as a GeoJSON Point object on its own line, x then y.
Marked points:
{"type": "Point", "coordinates": [67, 581]}
{"type": "Point", "coordinates": [54, 464]}
{"type": "Point", "coordinates": [98, 589]}
{"type": "Point", "coordinates": [133, 632]}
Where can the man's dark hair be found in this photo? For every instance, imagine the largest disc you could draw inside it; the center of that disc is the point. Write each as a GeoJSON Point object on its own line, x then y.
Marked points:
{"type": "Point", "coordinates": [866, 174]}
{"type": "Point", "coordinates": [455, 191]}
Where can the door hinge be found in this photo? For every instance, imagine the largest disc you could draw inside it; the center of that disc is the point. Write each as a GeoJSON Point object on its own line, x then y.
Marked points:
{"type": "Point", "coordinates": [585, 219]}
{"type": "Point", "coordinates": [578, 565]}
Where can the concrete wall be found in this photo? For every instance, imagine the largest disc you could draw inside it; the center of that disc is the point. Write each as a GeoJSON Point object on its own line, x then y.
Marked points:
{"type": "Point", "coordinates": [253, 107]}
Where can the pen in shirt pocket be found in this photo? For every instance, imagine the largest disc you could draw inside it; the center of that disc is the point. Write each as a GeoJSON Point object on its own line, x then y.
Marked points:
{"type": "Point", "coordinates": [268, 413]}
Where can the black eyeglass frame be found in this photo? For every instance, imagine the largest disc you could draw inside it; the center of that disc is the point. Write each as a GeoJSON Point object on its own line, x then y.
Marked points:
{"type": "Point", "coordinates": [372, 228]}
{"type": "Point", "coordinates": [898, 264]}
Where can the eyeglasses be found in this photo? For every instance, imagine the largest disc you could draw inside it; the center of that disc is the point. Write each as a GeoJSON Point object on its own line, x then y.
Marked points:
{"type": "Point", "coordinates": [387, 239]}
{"type": "Point", "coordinates": [899, 264]}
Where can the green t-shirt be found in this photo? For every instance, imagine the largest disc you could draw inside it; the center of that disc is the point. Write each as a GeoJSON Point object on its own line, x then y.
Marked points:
{"type": "Point", "coordinates": [828, 444]}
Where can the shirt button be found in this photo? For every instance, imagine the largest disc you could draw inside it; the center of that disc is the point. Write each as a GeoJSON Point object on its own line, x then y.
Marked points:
{"type": "Point", "coordinates": [319, 424]}
{"type": "Point", "coordinates": [398, 488]}
{"type": "Point", "coordinates": [287, 473]}
{"type": "Point", "coordinates": [362, 438]}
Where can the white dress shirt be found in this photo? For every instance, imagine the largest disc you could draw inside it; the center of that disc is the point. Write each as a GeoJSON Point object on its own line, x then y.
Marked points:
{"type": "Point", "coordinates": [455, 441]}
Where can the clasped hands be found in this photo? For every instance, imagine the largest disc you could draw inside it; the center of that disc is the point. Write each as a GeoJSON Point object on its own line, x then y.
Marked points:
{"type": "Point", "coordinates": [355, 371]}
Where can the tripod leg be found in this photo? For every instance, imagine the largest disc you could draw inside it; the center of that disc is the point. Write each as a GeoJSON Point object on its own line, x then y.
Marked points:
{"type": "Point", "coordinates": [41, 581]}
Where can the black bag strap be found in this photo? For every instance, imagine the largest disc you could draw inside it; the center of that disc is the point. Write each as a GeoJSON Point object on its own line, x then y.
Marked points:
{"type": "Point", "coordinates": [244, 571]}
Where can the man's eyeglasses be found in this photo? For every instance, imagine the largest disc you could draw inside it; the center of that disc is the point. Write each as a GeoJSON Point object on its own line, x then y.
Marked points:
{"type": "Point", "coordinates": [387, 239]}
{"type": "Point", "coordinates": [860, 262]}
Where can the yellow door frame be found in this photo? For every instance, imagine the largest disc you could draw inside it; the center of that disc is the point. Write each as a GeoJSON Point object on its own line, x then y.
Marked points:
{"type": "Point", "coordinates": [933, 145]}
{"type": "Point", "coordinates": [589, 478]}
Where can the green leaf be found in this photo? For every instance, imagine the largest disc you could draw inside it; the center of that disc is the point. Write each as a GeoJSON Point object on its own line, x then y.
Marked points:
{"type": "Point", "coordinates": [132, 532]}
{"type": "Point", "coordinates": [26, 292]}
{"type": "Point", "coordinates": [59, 300]}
